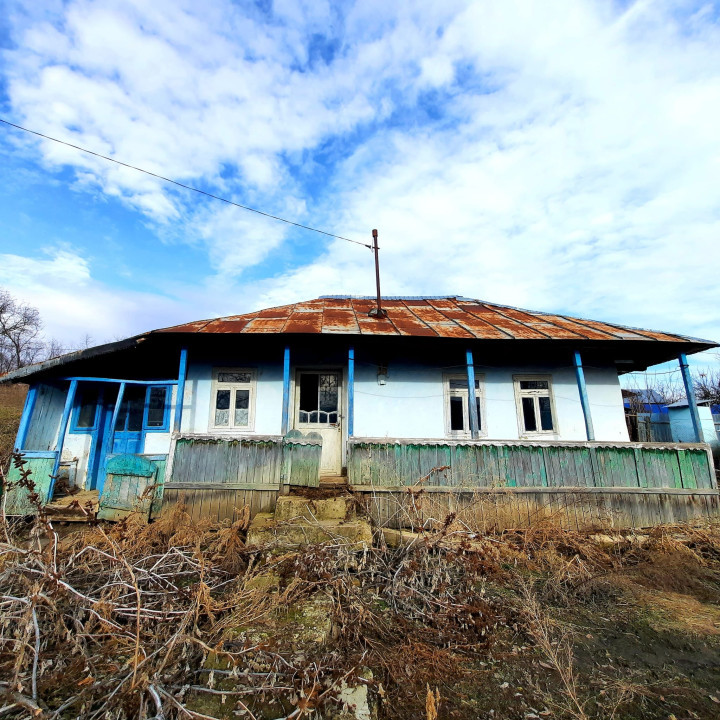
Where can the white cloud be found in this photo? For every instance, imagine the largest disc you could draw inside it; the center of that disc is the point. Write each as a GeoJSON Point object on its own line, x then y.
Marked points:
{"type": "Point", "coordinates": [72, 304]}
{"type": "Point", "coordinates": [555, 155]}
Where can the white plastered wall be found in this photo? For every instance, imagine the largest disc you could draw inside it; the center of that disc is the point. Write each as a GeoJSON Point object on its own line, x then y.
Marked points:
{"type": "Point", "coordinates": [411, 403]}
{"type": "Point", "coordinates": [268, 398]}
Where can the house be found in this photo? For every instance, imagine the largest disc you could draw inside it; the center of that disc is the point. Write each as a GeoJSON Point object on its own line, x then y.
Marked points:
{"type": "Point", "coordinates": [467, 398]}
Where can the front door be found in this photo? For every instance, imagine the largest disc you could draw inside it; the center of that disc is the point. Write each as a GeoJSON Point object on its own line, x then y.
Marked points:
{"type": "Point", "coordinates": [129, 438]}
{"type": "Point", "coordinates": [318, 408]}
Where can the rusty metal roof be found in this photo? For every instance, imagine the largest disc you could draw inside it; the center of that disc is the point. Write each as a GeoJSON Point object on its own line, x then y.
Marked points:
{"type": "Point", "coordinates": [447, 316]}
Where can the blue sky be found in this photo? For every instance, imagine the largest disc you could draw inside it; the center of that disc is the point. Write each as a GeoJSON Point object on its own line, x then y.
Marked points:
{"type": "Point", "coordinates": [559, 156]}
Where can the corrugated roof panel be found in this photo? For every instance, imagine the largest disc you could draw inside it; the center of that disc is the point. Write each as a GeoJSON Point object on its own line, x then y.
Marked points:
{"type": "Point", "coordinates": [479, 328]}
{"type": "Point", "coordinates": [451, 330]}
{"type": "Point", "coordinates": [340, 320]}
{"type": "Point", "coordinates": [266, 325]}
{"type": "Point", "coordinates": [305, 322]}
{"type": "Point", "coordinates": [427, 314]}
{"type": "Point", "coordinates": [512, 327]}
{"type": "Point", "coordinates": [577, 328]}
{"type": "Point", "coordinates": [227, 325]}
{"type": "Point", "coordinates": [376, 326]}
{"type": "Point", "coordinates": [423, 316]}
{"type": "Point", "coordinates": [407, 323]}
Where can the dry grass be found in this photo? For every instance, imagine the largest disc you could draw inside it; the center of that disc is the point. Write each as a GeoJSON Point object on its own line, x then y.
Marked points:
{"type": "Point", "coordinates": [180, 619]}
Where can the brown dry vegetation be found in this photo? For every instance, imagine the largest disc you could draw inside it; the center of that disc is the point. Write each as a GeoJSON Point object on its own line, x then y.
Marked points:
{"type": "Point", "coordinates": [180, 619]}
{"type": "Point", "coordinates": [12, 399]}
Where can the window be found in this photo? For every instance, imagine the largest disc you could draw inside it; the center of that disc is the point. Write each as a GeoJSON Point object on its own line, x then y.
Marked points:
{"type": "Point", "coordinates": [457, 415]}
{"type": "Point", "coordinates": [233, 399]}
{"type": "Point", "coordinates": [86, 407]}
{"type": "Point", "coordinates": [319, 398]}
{"type": "Point", "coordinates": [144, 408]}
{"type": "Point", "coordinates": [536, 415]}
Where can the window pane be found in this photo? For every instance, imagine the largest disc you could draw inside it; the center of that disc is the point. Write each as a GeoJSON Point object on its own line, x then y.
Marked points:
{"type": "Point", "coordinates": [222, 407]}
{"type": "Point", "coordinates": [461, 384]}
{"type": "Point", "coordinates": [308, 392]}
{"type": "Point", "coordinates": [328, 393]}
{"type": "Point", "coordinates": [457, 421]}
{"type": "Point", "coordinates": [479, 414]}
{"type": "Point", "coordinates": [130, 417]}
{"type": "Point", "coordinates": [242, 408]}
{"type": "Point", "coordinates": [88, 407]}
{"type": "Point", "coordinates": [546, 422]}
{"type": "Point", "coordinates": [234, 377]}
{"type": "Point", "coordinates": [534, 385]}
{"type": "Point", "coordinates": [528, 408]}
{"type": "Point", "coordinates": [156, 407]}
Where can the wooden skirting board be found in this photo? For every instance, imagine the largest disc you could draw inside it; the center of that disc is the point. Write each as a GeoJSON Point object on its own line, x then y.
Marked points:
{"type": "Point", "coordinates": [486, 509]}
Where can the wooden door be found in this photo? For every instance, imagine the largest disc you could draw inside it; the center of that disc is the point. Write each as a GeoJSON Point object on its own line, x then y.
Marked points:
{"type": "Point", "coordinates": [318, 407]}
{"type": "Point", "coordinates": [128, 437]}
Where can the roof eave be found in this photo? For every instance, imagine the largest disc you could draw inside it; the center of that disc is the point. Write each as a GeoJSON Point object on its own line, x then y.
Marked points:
{"type": "Point", "coordinates": [24, 373]}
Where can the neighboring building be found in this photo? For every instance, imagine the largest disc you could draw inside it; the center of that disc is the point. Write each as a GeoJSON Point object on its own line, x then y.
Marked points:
{"type": "Point", "coordinates": [439, 372]}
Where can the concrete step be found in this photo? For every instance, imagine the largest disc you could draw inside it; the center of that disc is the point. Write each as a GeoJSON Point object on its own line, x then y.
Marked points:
{"type": "Point", "coordinates": [294, 507]}
{"type": "Point", "coordinates": [266, 530]}
{"type": "Point", "coordinates": [327, 481]}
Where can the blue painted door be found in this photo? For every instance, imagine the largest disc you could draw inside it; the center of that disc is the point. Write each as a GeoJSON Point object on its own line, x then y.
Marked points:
{"type": "Point", "coordinates": [129, 437]}
{"type": "Point", "coordinates": [100, 442]}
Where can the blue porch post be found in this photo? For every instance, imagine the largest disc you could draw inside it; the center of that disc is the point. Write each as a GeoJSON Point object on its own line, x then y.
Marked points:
{"type": "Point", "coordinates": [472, 398]}
{"type": "Point", "coordinates": [69, 400]}
{"type": "Point", "coordinates": [286, 391]}
{"type": "Point", "coordinates": [180, 393]}
{"type": "Point", "coordinates": [351, 392]}
{"type": "Point", "coordinates": [116, 412]}
{"type": "Point", "coordinates": [25, 418]}
{"type": "Point", "coordinates": [690, 395]}
{"type": "Point", "coordinates": [582, 387]}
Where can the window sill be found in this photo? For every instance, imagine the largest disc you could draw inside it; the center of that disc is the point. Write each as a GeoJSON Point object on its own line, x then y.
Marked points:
{"type": "Point", "coordinates": [230, 431]}
{"type": "Point", "coordinates": [539, 436]}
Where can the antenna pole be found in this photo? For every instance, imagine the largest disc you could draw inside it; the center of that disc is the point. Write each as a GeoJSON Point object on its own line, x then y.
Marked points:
{"type": "Point", "coordinates": [377, 312]}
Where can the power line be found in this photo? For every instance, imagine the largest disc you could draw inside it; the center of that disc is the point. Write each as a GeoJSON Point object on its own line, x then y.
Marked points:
{"type": "Point", "coordinates": [186, 187]}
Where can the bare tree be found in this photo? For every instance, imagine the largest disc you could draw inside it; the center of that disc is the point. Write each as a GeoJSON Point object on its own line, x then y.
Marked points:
{"type": "Point", "coordinates": [653, 390]}
{"type": "Point", "coordinates": [20, 327]}
{"type": "Point", "coordinates": [20, 340]}
{"type": "Point", "coordinates": [707, 384]}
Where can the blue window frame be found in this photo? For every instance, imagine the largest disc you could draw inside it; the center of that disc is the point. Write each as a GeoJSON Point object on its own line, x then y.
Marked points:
{"type": "Point", "coordinates": [86, 409]}
{"type": "Point", "coordinates": [156, 416]}
{"type": "Point", "coordinates": [145, 408]}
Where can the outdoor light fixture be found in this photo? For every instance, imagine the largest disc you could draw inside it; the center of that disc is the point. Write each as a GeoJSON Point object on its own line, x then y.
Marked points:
{"type": "Point", "coordinates": [382, 375]}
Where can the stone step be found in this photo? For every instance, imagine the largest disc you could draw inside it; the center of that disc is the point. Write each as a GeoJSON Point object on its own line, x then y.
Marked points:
{"type": "Point", "coordinates": [333, 481]}
{"type": "Point", "coordinates": [266, 530]}
{"type": "Point", "coordinates": [292, 507]}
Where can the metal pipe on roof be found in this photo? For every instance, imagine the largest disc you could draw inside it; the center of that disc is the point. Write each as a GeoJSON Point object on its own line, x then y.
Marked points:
{"type": "Point", "coordinates": [377, 312]}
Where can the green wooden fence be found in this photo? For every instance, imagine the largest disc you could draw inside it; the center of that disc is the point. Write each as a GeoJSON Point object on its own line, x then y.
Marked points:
{"type": "Point", "coordinates": [455, 464]}
{"type": "Point", "coordinates": [500, 485]}
{"type": "Point", "coordinates": [217, 476]}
